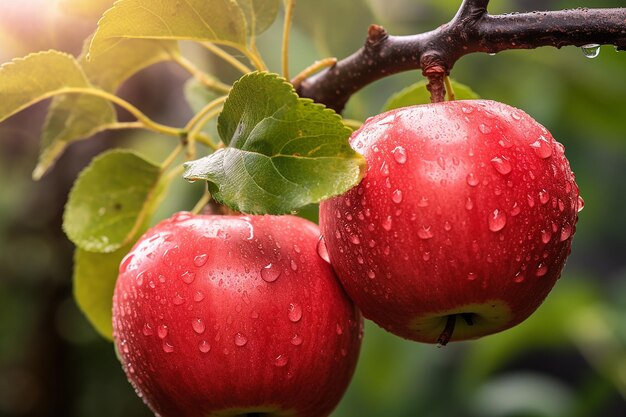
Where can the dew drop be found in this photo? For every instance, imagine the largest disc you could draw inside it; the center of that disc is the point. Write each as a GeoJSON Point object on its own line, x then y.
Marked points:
{"type": "Point", "coordinates": [544, 197]}
{"type": "Point", "coordinates": [497, 220]}
{"type": "Point", "coordinates": [541, 270]}
{"type": "Point", "coordinates": [515, 210]}
{"type": "Point", "coordinates": [295, 312]}
{"type": "Point", "coordinates": [519, 277]}
{"type": "Point", "coordinates": [531, 200]}
{"type": "Point", "coordinates": [281, 361]}
{"type": "Point", "coordinates": [447, 226]}
{"type": "Point", "coordinates": [322, 250]}
{"type": "Point", "coordinates": [296, 249]}
{"type": "Point", "coordinates": [469, 204]}
{"type": "Point", "coordinates": [484, 128]}
{"type": "Point", "coordinates": [200, 260]}
{"type": "Point", "coordinates": [542, 147]}
{"type": "Point", "coordinates": [270, 273]}
{"type": "Point", "coordinates": [387, 223]}
{"type": "Point", "coordinates": [502, 165]}
{"type": "Point", "coordinates": [425, 233]}
{"type": "Point", "coordinates": [339, 329]}
{"type": "Point", "coordinates": [467, 109]}
{"type": "Point", "coordinates": [516, 116]}
{"type": "Point", "coordinates": [371, 274]}
{"type": "Point", "coordinates": [198, 296]}
{"type": "Point", "coordinates": [426, 256]}
{"type": "Point", "coordinates": [188, 277]}
{"type": "Point", "coordinates": [178, 300]}
{"type": "Point", "coordinates": [168, 347]}
{"type": "Point", "coordinates": [546, 235]}
{"type": "Point", "coordinates": [472, 181]}
{"type": "Point", "coordinates": [590, 50]}
{"type": "Point", "coordinates": [293, 265]}
{"type": "Point", "coordinates": [384, 169]}
{"type": "Point", "coordinates": [566, 232]}
{"type": "Point", "coordinates": [580, 204]}
{"type": "Point", "coordinates": [472, 276]}
{"type": "Point", "coordinates": [296, 340]}
{"type": "Point", "coordinates": [162, 331]}
{"type": "Point", "coordinates": [561, 205]}
{"type": "Point", "coordinates": [399, 154]}
{"type": "Point", "coordinates": [423, 202]}
{"type": "Point", "coordinates": [397, 196]}
{"type": "Point", "coordinates": [147, 330]}
{"type": "Point", "coordinates": [354, 239]}
{"type": "Point", "coordinates": [198, 326]}
{"type": "Point", "coordinates": [204, 346]}
{"type": "Point", "coordinates": [240, 340]}
{"type": "Point", "coordinates": [441, 162]}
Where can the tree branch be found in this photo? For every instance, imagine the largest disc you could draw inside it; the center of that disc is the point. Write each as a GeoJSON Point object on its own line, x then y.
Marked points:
{"type": "Point", "coordinates": [471, 30]}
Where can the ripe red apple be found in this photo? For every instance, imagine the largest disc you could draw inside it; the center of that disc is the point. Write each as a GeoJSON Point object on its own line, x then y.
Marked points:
{"type": "Point", "coordinates": [234, 316]}
{"type": "Point", "coordinates": [462, 224]}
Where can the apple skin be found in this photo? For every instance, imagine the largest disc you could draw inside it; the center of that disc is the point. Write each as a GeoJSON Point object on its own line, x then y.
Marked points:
{"type": "Point", "coordinates": [234, 316]}
{"type": "Point", "coordinates": [467, 209]}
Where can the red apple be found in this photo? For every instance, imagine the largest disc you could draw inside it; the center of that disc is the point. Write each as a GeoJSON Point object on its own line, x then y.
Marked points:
{"type": "Point", "coordinates": [234, 316]}
{"type": "Point", "coordinates": [462, 224]}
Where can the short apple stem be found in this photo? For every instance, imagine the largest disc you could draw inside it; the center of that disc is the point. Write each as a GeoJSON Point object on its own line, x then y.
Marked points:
{"type": "Point", "coordinates": [446, 334]}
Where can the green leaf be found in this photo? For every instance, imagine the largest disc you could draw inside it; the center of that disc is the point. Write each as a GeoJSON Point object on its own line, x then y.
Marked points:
{"type": "Point", "coordinates": [110, 200]}
{"type": "Point", "coordinates": [25, 81]}
{"type": "Point", "coordinates": [219, 21]}
{"type": "Point", "coordinates": [284, 152]}
{"type": "Point", "coordinates": [260, 14]}
{"type": "Point", "coordinates": [95, 275]}
{"type": "Point", "coordinates": [74, 117]}
{"type": "Point", "coordinates": [418, 94]}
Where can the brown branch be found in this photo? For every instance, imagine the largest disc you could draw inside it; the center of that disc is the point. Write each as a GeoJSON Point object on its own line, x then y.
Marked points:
{"type": "Point", "coordinates": [471, 30]}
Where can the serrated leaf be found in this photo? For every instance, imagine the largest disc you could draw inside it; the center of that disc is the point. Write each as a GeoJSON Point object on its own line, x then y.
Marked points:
{"type": "Point", "coordinates": [25, 81]}
{"type": "Point", "coordinates": [75, 117]}
{"type": "Point", "coordinates": [94, 280]}
{"type": "Point", "coordinates": [260, 14]}
{"type": "Point", "coordinates": [283, 153]}
{"type": "Point", "coordinates": [110, 200]}
{"type": "Point", "coordinates": [219, 21]}
{"type": "Point", "coordinates": [418, 94]}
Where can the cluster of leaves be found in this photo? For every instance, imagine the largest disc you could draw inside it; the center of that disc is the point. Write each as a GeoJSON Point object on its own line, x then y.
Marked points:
{"type": "Point", "coordinates": [276, 152]}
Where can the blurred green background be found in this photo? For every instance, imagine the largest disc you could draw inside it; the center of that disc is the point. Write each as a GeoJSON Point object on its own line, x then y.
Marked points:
{"type": "Point", "coordinates": [567, 360]}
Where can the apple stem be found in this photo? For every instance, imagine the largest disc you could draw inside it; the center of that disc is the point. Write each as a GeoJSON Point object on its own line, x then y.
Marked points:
{"type": "Point", "coordinates": [446, 334]}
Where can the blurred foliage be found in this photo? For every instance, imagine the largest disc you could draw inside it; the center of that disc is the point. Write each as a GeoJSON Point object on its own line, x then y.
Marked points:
{"type": "Point", "coordinates": [567, 360]}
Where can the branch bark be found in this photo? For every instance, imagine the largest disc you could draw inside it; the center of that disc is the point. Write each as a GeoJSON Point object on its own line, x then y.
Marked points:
{"type": "Point", "coordinates": [472, 30]}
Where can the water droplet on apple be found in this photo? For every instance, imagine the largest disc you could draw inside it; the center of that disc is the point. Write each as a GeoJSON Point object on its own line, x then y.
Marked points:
{"type": "Point", "coordinates": [426, 256]}
{"type": "Point", "coordinates": [541, 270]}
{"type": "Point", "coordinates": [561, 205]}
{"type": "Point", "coordinates": [384, 169]}
{"type": "Point", "coordinates": [339, 329]}
{"type": "Point", "coordinates": [178, 300]}
{"type": "Point", "coordinates": [546, 235]}
{"type": "Point", "coordinates": [204, 346]}
{"type": "Point", "coordinates": [566, 232]}
{"type": "Point", "coordinates": [167, 347]}
{"type": "Point", "coordinates": [399, 154]}
{"type": "Point", "coordinates": [322, 250]}
{"type": "Point", "coordinates": [139, 278]}
{"type": "Point", "coordinates": [162, 331]}
{"type": "Point", "coordinates": [472, 276]}
{"type": "Point", "coordinates": [519, 277]}
{"type": "Point", "coordinates": [254, 314]}
{"type": "Point", "coordinates": [469, 204]}
{"type": "Point", "coordinates": [423, 202]}
{"type": "Point", "coordinates": [354, 239]}
{"type": "Point", "coordinates": [590, 50]}
{"type": "Point", "coordinates": [542, 147]}
{"type": "Point", "coordinates": [270, 273]}
{"type": "Point", "coordinates": [296, 249]}
{"type": "Point", "coordinates": [295, 312]}
{"type": "Point", "coordinates": [296, 340]}
{"type": "Point", "coordinates": [424, 232]}
{"type": "Point", "coordinates": [484, 128]}
{"type": "Point", "coordinates": [447, 226]}
{"type": "Point", "coordinates": [544, 197]}
{"type": "Point", "coordinates": [467, 109]}
{"type": "Point", "coordinates": [502, 165]}
{"type": "Point", "coordinates": [147, 330]}
{"type": "Point", "coordinates": [198, 326]}
{"type": "Point", "coordinates": [531, 200]}
{"type": "Point", "coordinates": [441, 162]}
{"type": "Point", "coordinates": [397, 196]}
{"type": "Point", "coordinates": [293, 265]}
{"type": "Point", "coordinates": [516, 116]}
{"type": "Point", "coordinates": [515, 210]}
{"type": "Point", "coordinates": [198, 296]}
{"type": "Point", "coordinates": [240, 340]}
{"type": "Point", "coordinates": [387, 222]}
{"type": "Point", "coordinates": [200, 260]}
{"type": "Point", "coordinates": [497, 220]}
{"type": "Point", "coordinates": [472, 181]}
{"type": "Point", "coordinates": [281, 361]}
{"type": "Point", "coordinates": [371, 274]}
{"type": "Point", "coordinates": [580, 204]}
{"type": "Point", "coordinates": [126, 262]}
{"type": "Point", "coordinates": [188, 277]}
